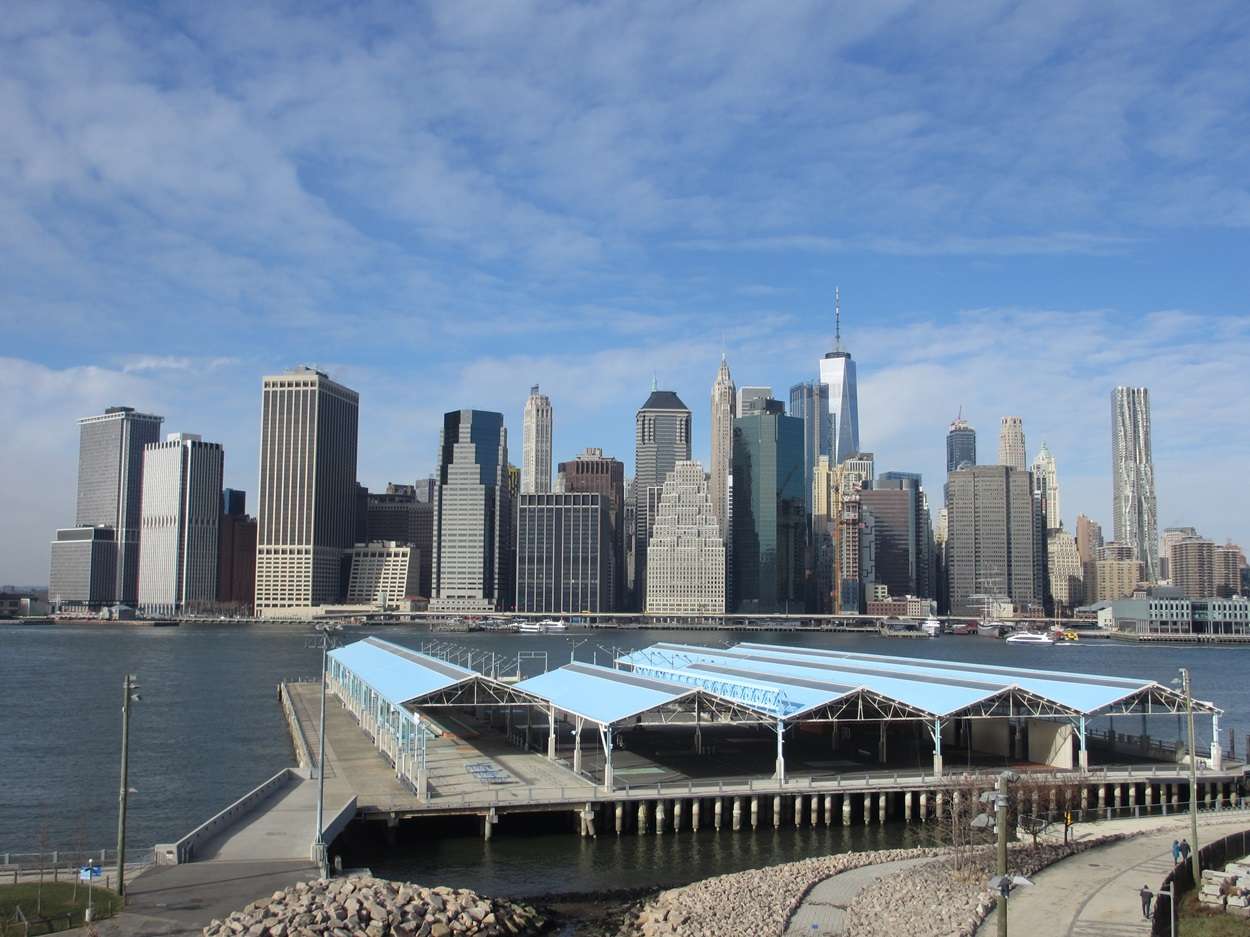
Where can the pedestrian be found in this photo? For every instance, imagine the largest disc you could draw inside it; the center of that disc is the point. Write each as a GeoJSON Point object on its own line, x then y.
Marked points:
{"type": "Point", "coordinates": [1176, 852]}
{"type": "Point", "coordinates": [1147, 896]}
{"type": "Point", "coordinates": [1185, 849]}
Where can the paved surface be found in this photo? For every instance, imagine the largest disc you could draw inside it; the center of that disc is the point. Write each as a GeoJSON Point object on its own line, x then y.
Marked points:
{"type": "Point", "coordinates": [1095, 894]}
{"type": "Point", "coordinates": [281, 828]}
{"type": "Point", "coordinates": [822, 912]}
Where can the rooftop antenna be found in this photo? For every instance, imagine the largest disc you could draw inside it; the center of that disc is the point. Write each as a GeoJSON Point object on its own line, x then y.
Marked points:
{"type": "Point", "coordinates": [654, 385]}
{"type": "Point", "coordinates": [837, 320]}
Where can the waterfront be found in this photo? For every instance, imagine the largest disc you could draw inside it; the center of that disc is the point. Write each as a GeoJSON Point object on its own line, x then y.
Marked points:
{"type": "Point", "coordinates": [209, 729]}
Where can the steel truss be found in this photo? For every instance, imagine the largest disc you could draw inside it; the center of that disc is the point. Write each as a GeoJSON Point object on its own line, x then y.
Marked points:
{"type": "Point", "coordinates": [477, 691]}
{"type": "Point", "coordinates": [1158, 700]}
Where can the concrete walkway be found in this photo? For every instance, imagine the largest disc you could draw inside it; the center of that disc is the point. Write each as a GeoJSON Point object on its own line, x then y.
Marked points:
{"type": "Point", "coordinates": [1095, 894]}
{"type": "Point", "coordinates": [822, 912]}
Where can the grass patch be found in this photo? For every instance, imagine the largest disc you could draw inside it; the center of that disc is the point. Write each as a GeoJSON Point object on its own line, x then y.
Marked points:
{"type": "Point", "coordinates": [1199, 920]}
{"type": "Point", "coordinates": [61, 908]}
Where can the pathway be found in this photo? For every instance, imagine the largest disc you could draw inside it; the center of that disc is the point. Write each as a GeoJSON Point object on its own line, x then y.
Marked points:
{"type": "Point", "coordinates": [1095, 893]}
{"type": "Point", "coordinates": [822, 911]}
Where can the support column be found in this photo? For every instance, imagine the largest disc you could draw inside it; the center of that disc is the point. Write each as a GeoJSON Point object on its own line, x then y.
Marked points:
{"type": "Point", "coordinates": [781, 753]}
{"type": "Point", "coordinates": [551, 733]}
{"type": "Point", "coordinates": [883, 804]}
{"type": "Point", "coordinates": [1132, 797]}
{"type": "Point", "coordinates": [1082, 757]}
{"type": "Point", "coordinates": [1150, 796]}
{"type": "Point", "coordinates": [588, 817]}
{"type": "Point", "coordinates": [846, 809]}
{"type": "Point", "coordinates": [677, 812]}
{"type": "Point", "coordinates": [867, 807]}
{"type": "Point", "coordinates": [605, 738]}
{"type": "Point", "coordinates": [1176, 796]}
{"type": "Point", "coordinates": [1209, 788]}
{"type": "Point", "coordinates": [694, 816]}
{"type": "Point", "coordinates": [716, 813]}
{"type": "Point", "coordinates": [1036, 800]}
{"type": "Point", "coordinates": [924, 806]}
{"type": "Point", "coordinates": [642, 816]}
{"type": "Point", "coordinates": [799, 805]}
{"type": "Point", "coordinates": [488, 824]}
{"type": "Point", "coordinates": [1102, 798]}
{"type": "Point", "coordinates": [1119, 797]}
{"type": "Point", "coordinates": [578, 723]}
{"type": "Point", "coordinates": [620, 817]}
{"type": "Point", "coordinates": [936, 732]}
{"type": "Point", "coordinates": [1084, 799]}
{"type": "Point", "coordinates": [939, 802]}
{"type": "Point", "coordinates": [956, 800]}
{"type": "Point", "coordinates": [777, 812]}
{"type": "Point", "coordinates": [907, 806]}
{"type": "Point", "coordinates": [659, 817]}
{"type": "Point", "coordinates": [755, 813]}
{"type": "Point", "coordinates": [828, 810]}
{"type": "Point", "coordinates": [1217, 754]}
{"type": "Point", "coordinates": [815, 815]}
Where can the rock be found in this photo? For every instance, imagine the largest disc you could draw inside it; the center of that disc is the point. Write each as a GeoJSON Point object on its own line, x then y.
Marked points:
{"type": "Point", "coordinates": [440, 929]}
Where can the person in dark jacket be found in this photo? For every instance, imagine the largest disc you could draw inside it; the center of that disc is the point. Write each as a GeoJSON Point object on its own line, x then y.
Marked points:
{"type": "Point", "coordinates": [1147, 896]}
{"type": "Point", "coordinates": [1185, 849]}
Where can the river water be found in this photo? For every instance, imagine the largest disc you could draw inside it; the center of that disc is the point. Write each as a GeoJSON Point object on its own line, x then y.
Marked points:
{"type": "Point", "coordinates": [209, 728]}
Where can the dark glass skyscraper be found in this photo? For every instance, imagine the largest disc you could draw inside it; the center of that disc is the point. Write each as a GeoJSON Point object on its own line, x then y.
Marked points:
{"type": "Point", "coordinates": [769, 516]}
{"type": "Point", "coordinates": [809, 402]}
{"type": "Point", "coordinates": [961, 445]}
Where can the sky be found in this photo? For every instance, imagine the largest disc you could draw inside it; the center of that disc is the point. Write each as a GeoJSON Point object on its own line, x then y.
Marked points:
{"type": "Point", "coordinates": [1022, 204]}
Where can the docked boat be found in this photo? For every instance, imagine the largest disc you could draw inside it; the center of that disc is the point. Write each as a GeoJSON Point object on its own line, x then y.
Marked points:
{"type": "Point", "coordinates": [991, 629]}
{"type": "Point", "coordinates": [932, 627]}
{"type": "Point", "coordinates": [1029, 637]}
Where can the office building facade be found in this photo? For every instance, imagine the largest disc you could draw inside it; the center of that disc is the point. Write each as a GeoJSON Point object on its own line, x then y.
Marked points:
{"type": "Point", "coordinates": [990, 538]}
{"type": "Point", "coordinates": [961, 445]}
{"type": "Point", "coordinates": [837, 374]}
{"type": "Point", "coordinates": [1134, 508]}
{"type": "Point", "coordinates": [1011, 451]}
{"type": "Point", "coordinates": [661, 440]}
{"type": "Point", "coordinates": [236, 562]}
{"type": "Point", "coordinates": [769, 513]}
{"type": "Point", "coordinates": [686, 556]}
{"type": "Point", "coordinates": [1193, 567]}
{"type": "Point", "coordinates": [180, 523]}
{"type": "Point", "coordinates": [84, 569]}
{"type": "Point", "coordinates": [594, 473]}
{"type": "Point", "coordinates": [110, 485]}
{"type": "Point", "coordinates": [563, 553]}
{"type": "Point", "coordinates": [307, 509]}
{"type": "Point", "coordinates": [1046, 488]}
{"type": "Point", "coordinates": [724, 410]}
{"type": "Point", "coordinates": [1065, 572]}
{"type": "Point", "coordinates": [472, 514]}
{"type": "Point", "coordinates": [536, 428]}
{"type": "Point", "coordinates": [809, 402]}
{"type": "Point", "coordinates": [384, 574]}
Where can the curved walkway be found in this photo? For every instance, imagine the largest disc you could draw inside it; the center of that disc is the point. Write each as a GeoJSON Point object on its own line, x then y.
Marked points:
{"type": "Point", "coordinates": [1095, 893]}
{"type": "Point", "coordinates": [822, 911]}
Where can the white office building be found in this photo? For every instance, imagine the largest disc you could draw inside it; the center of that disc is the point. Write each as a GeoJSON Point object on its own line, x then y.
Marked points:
{"type": "Point", "coordinates": [536, 444]}
{"type": "Point", "coordinates": [384, 574]}
{"type": "Point", "coordinates": [686, 555]}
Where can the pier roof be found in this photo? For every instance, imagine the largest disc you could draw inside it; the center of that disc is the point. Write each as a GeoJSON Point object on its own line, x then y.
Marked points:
{"type": "Point", "coordinates": [601, 694]}
{"type": "Point", "coordinates": [396, 673]}
{"type": "Point", "coordinates": [912, 686]}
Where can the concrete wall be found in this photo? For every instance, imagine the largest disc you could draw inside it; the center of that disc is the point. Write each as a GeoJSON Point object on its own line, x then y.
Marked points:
{"type": "Point", "coordinates": [184, 849]}
{"type": "Point", "coordinates": [1051, 743]}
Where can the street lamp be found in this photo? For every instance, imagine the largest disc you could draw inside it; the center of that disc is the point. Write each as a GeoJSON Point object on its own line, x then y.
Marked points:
{"type": "Point", "coordinates": [129, 686]}
{"type": "Point", "coordinates": [1187, 689]}
{"type": "Point", "coordinates": [326, 632]}
{"type": "Point", "coordinates": [1002, 882]}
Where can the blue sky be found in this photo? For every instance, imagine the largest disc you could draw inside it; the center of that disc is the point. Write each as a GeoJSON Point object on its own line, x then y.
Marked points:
{"type": "Point", "coordinates": [441, 204]}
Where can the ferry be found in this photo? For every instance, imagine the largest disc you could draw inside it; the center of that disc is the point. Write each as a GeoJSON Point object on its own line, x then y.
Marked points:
{"type": "Point", "coordinates": [1030, 637]}
{"type": "Point", "coordinates": [545, 626]}
{"type": "Point", "coordinates": [932, 627]}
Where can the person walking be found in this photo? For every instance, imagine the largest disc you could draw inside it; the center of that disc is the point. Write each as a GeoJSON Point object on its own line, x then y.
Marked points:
{"type": "Point", "coordinates": [1147, 896]}
{"type": "Point", "coordinates": [1176, 852]}
{"type": "Point", "coordinates": [1185, 850]}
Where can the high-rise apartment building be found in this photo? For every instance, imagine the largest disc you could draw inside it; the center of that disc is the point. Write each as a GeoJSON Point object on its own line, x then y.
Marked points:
{"type": "Point", "coordinates": [837, 373]}
{"type": "Point", "coordinates": [180, 520]}
{"type": "Point", "coordinates": [1230, 561]}
{"type": "Point", "coordinates": [769, 517]}
{"type": "Point", "coordinates": [809, 402]}
{"type": "Point", "coordinates": [563, 553]}
{"type": "Point", "coordinates": [472, 514]}
{"type": "Point", "coordinates": [990, 537]}
{"type": "Point", "coordinates": [858, 469]}
{"type": "Point", "coordinates": [1193, 567]}
{"type": "Point", "coordinates": [724, 409]}
{"type": "Point", "coordinates": [1046, 487]}
{"type": "Point", "coordinates": [1088, 538]}
{"type": "Point", "coordinates": [110, 487]}
{"type": "Point", "coordinates": [686, 556]}
{"type": "Point", "coordinates": [1133, 480]}
{"type": "Point", "coordinates": [1170, 536]}
{"type": "Point", "coordinates": [594, 473]}
{"type": "Point", "coordinates": [1108, 579]}
{"type": "Point", "coordinates": [961, 444]}
{"type": "Point", "coordinates": [661, 440]}
{"type": "Point", "coordinates": [536, 444]}
{"type": "Point", "coordinates": [1011, 450]}
{"type": "Point", "coordinates": [308, 492]}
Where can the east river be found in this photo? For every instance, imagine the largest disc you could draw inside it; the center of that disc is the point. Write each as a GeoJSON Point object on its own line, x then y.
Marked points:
{"type": "Point", "coordinates": [209, 728]}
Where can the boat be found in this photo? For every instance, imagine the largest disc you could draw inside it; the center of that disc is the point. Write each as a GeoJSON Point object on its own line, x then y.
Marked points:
{"type": "Point", "coordinates": [552, 624]}
{"type": "Point", "coordinates": [991, 628]}
{"type": "Point", "coordinates": [1030, 637]}
{"type": "Point", "coordinates": [932, 627]}
{"type": "Point", "coordinates": [530, 627]}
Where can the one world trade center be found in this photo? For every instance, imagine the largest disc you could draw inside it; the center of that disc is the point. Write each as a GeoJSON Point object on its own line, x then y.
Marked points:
{"type": "Point", "coordinates": [837, 372]}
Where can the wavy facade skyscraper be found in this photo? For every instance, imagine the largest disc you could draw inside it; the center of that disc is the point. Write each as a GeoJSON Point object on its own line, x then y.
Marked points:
{"type": "Point", "coordinates": [1134, 509]}
{"type": "Point", "coordinates": [837, 373]}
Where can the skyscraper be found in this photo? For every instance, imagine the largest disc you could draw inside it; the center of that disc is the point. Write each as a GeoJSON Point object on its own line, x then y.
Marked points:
{"type": "Point", "coordinates": [769, 519]}
{"type": "Point", "coordinates": [1170, 536]}
{"type": "Point", "coordinates": [809, 402]}
{"type": "Point", "coordinates": [904, 533]}
{"type": "Point", "coordinates": [961, 444]}
{"type": "Point", "coordinates": [563, 553]}
{"type": "Point", "coordinates": [837, 373]}
{"type": "Point", "coordinates": [1193, 567]}
{"type": "Point", "coordinates": [110, 485]}
{"type": "Point", "coordinates": [724, 409]}
{"type": "Point", "coordinates": [1011, 443]}
{"type": "Point", "coordinates": [1046, 487]}
{"type": "Point", "coordinates": [536, 444]}
{"type": "Point", "coordinates": [661, 440]}
{"type": "Point", "coordinates": [472, 514]}
{"type": "Point", "coordinates": [593, 473]}
{"type": "Point", "coordinates": [686, 557]}
{"type": "Point", "coordinates": [307, 508]}
{"type": "Point", "coordinates": [1088, 538]}
{"type": "Point", "coordinates": [1066, 573]}
{"type": "Point", "coordinates": [180, 518]}
{"type": "Point", "coordinates": [990, 537]}
{"type": "Point", "coordinates": [1133, 478]}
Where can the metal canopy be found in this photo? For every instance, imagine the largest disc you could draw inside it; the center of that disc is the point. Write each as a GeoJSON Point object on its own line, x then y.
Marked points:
{"type": "Point", "coordinates": [600, 694]}
{"type": "Point", "coordinates": [395, 673]}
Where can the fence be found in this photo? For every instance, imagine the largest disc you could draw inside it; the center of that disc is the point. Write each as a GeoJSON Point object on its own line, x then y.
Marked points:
{"type": "Point", "coordinates": [1214, 855]}
{"type": "Point", "coordinates": [62, 865]}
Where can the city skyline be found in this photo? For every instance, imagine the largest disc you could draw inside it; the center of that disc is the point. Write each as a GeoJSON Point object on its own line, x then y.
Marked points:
{"type": "Point", "coordinates": [578, 208]}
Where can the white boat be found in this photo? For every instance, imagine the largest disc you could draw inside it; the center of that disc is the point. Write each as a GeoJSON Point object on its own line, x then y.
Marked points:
{"type": "Point", "coordinates": [932, 627]}
{"type": "Point", "coordinates": [1029, 637]}
{"type": "Point", "coordinates": [552, 624]}
{"type": "Point", "coordinates": [531, 627]}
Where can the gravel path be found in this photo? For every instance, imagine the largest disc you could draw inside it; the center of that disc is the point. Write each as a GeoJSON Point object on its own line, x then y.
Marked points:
{"type": "Point", "coordinates": [822, 912]}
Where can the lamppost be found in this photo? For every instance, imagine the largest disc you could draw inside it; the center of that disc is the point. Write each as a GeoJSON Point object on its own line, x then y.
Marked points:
{"type": "Point", "coordinates": [326, 633]}
{"type": "Point", "coordinates": [1002, 882]}
{"type": "Point", "coordinates": [1187, 689]}
{"type": "Point", "coordinates": [129, 686]}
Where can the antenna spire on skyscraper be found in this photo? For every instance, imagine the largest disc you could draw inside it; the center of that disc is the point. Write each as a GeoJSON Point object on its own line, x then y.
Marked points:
{"type": "Point", "coordinates": [837, 320]}
{"type": "Point", "coordinates": [654, 383]}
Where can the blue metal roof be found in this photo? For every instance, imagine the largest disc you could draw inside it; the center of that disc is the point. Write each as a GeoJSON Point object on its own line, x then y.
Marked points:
{"type": "Point", "coordinates": [601, 694]}
{"type": "Point", "coordinates": [396, 673]}
{"type": "Point", "coordinates": [939, 688]}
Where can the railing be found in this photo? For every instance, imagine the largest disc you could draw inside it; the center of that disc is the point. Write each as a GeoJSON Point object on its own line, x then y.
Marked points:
{"type": "Point", "coordinates": [63, 864]}
{"type": "Point", "coordinates": [303, 758]}
{"type": "Point", "coordinates": [1180, 880]}
{"type": "Point", "coordinates": [184, 849]}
